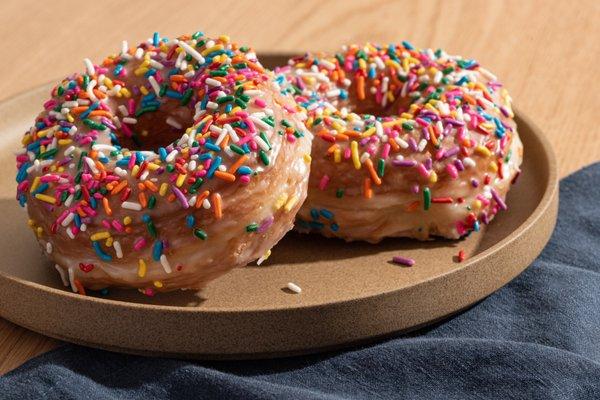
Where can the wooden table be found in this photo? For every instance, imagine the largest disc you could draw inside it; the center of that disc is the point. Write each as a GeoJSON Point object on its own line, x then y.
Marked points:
{"type": "Point", "coordinates": [546, 52]}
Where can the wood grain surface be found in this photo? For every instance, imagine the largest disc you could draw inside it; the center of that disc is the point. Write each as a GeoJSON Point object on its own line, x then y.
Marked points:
{"type": "Point", "coordinates": [546, 52]}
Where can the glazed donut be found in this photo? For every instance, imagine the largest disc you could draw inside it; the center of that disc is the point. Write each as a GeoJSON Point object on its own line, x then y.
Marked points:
{"type": "Point", "coordinates": [408, 142]}
{"type": "Point", "coordinates": [163, 167]}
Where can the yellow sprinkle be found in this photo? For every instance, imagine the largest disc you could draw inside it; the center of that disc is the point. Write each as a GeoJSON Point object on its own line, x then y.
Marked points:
{"type": "Point", "coordinates": [337, 155]}
{"type": "Point", "coordinates": [477, 204]}
{"type": "Point", "coordinates": [35, 184]}
{"type": "Point", "coordinates": [108, 83]}
{"type": "Point", "coordinates": [31, 223]}
{"type": "Point", "coordinates": [63, 142]}
{"type": "Point", "coordinates": [39, 231]}
{"type": "Point", "coordinates": [158, 284]}
{"type": "Point", "coordinates": [43, 133]}
{"type": "Point", "coordinates": [153, 166]}
{"type": "Point", "coordinates": [482, 150]}
{"type": "Point", "coordinates": [135, 170]}
{"type": "Point", "coordinates": [291, 203]}
{"type": "Point", "coordinates": [337, 126]}
{"type": "Point", "coordinates": [141, 268]}
{"type": "Point", "coordinates": [433, 177]}
{"type": "Point", "coordinates": [127, 220]}
{"type": "Point", "coordinates": [109, 242]}
{"type": "Point", "coordinates": [355, 156]}
{"type": "Point", "coordinates": [125, 92]}
{"type": "Point", "coordinates": [281, 201]}
{"type": "Point", "coordinates": [494, 166]}
{"type": "Point", "coordinates": [46, 198]}
{"type": "Point", "coordinates": [140, 71]}
{"type": "Point", "coordinates": [180, 180]}
{"type": "Point", "coordinates": [26, 140]}
{"type": "Point", "coordinates": [307, 158]}
{"type": "Point", "coordinates": [163, 189]}
{"type": "Point", "coordinates": [144, 90]}
{"type": "Point", "coordinates": [70, 118]}
{"type": "Point", "coordinates": [212, 49]}
{"type": "Point", "coordinates": [369, 132]}
{"type": "Point", "coordinates": [99, 236]}
{"type": "Point", "coordinates": [224, 38]}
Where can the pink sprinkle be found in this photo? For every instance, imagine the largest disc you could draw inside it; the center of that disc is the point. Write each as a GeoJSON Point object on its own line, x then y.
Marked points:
{"type": "Point", "coordinates": [451, 169]}
{"type": "Point", "coordinates": [323, 182]}
{"type": "Point", "coordinates": [386, 151]}
{"type": "Point", "coordinates": [423, 171]}
{"type": "Point", "coordinates": [260, 103]}
{"type": "Point", "coordinates": [139, 244]}
{"type": "Point", "coordinates": [245, 179]}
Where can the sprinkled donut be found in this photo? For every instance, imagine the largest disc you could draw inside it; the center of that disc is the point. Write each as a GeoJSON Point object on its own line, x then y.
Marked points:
{"type": "Point", "coordinates": [408, 142]}
{"type": "Point", "coordinates": [163, 167]}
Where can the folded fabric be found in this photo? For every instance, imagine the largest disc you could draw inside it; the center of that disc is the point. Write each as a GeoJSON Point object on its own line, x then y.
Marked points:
{"type": "Point", "coordinates": [536, 338]}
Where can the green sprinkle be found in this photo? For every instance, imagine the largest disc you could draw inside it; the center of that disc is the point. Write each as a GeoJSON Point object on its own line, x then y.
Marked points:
{"type": "Point", "coordinates": [224, 99]}
{"type": "Point", "coordinates": [426, 198]}
{"type": "Point", "coordinates": [380, 167]}
{"type": "Point", "coordinates": [407, 126]}
{"type": "Point", "coordinates": [253, 227]}
{"type": "Point", "coordinates": [194, 188]}
{"type": "Point", "coordinates": [94, 125]}
{"type": "Point", "coordinates": [237, 149]}
{"type": "Point", "coordinates": [200, 234]}
{"type": "Point", "coordinates": [60, 90]}
{"type": "Point", "coordinates": [339, 193]}
{"type": "Point", "coordinates": [285, 123]}
{"type": "Point", "coordinates": [151, 228]}
{"type": "Point", "coordinates": [263, 156]}
{"type": "Point", "coordinates": [144, 110]}
{"type": "Point", "coordinates": [151, 202]}
{"type": "Point", "coordinates": [80, 162]}
{"type": "Point", "coordinates": [47, 154]}
{"type": "Point", "coordinates": [218, 73]}
{"type": "Point", "coordinates": [266, 139]}
{"type": "Point", "coordinates": [186, 97]}
{"type": "Point", "coordinates": [240, 102]}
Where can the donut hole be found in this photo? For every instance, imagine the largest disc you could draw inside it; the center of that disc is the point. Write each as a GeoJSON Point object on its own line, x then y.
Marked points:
{"type": "Point", "coordinates": [157, 129]}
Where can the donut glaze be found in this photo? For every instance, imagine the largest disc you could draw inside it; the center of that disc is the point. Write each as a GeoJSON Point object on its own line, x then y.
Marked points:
{"type": "Point", "coordinates": [164, 167]}
{"type": "Point", "coordinates": [408, 142]}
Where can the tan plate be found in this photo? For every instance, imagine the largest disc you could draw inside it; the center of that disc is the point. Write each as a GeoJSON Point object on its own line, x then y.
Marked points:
{"type": "Point", "coordinates": [350, 293]}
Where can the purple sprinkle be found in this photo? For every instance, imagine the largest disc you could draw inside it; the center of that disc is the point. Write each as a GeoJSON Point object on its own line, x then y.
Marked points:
{"type": "Point", "coordinates": [180, 197]}
{"type": "Point", "coordinates": [404, 163]}
{"type": "Point", "coordinates": [499, 200]}
{"type": "Point", "coordinates": [409, 262]}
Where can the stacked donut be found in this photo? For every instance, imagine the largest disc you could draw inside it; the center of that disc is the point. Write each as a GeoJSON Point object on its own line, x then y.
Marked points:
{"type": "Point", "coordinates": [408, 142]}
{"type": "Point", "coordinates": [175, 161]}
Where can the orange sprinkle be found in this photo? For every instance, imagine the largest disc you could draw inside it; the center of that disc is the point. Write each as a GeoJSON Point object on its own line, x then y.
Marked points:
{"type": "Point", "coordinates": [201, 198]}
{"type": "Point", "coordinates": [171, 198]}
{"type": "Point", "coordinates": [79, 286]}
{"type": "Point", "coordinates": [101, 113]}
{"type": "Point", "coordinates": [413, 206]}
{"type": "Point", "coordinates": [150, 185]}
{"type": "Point", "coordinates": [78, 110]}
{"type": "Point", "coordinates": [216, 200]}
{"type": "Point", "coordinates": [255, 67]}
{"type": "Point", "coordinates": [367, 191]}
{"type": "Point", "coordinates": [238, 163]}
{"type": "Point", "coordinates": [143, 200]}
{"type": "Point", "coordinates": [106, 206]}
{"type": "Point", "coordinates": [120, 186]}
{"type": "Point", "coordinates": [360, 87]}
{"type": "Point", "coordinates": [372, 172]}
{"type": "Point", "coordinates": [226, 176]}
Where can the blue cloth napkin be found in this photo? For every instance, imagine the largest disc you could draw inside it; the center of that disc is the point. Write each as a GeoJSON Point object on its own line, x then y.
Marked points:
{"type": "Point", "coordinates": [536, 338]}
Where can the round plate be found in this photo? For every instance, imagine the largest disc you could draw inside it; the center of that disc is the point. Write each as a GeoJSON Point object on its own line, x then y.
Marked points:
{"type": "Point", "coordinates": [350, 293]}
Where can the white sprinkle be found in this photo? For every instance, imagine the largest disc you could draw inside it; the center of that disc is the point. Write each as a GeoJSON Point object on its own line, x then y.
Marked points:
{"type": "Point", "coordinates": [123, 110]}
{"type": "Point", "coordinates": [402, 143]}
{"type": "Point", "coordinates": [211, 105]}
{"type": "Point", "coordinates": [48, 247]}
{"type": "Point", "coordinates": [171, 156]}
{"type": "Point", "coordinates": [124, 47]}
{"type": "Point", "coordinates": [69, 200]}
{"type": "Point", "coordinates": [191, 51]}
{"type": "Point", "coordinates": [62, 274]}
{"type": "Point", "coordinates": [68, 219]}
{"type": "Point", "coordinates": [120, 171]}
{"type": "Point", "coordinates": [72, 279]}
{"type": "Point", "coordinates": [422, 145]}
{"type": "Point", "coordinates": [89, 66]}
{"type": "Point", "coordinates": [118, 249]}
{"type": "Point", "coordinates": [90, 90]}
{"type": "Point", "coordinates": [69, 151]}
{"type": "Point", "coordinates": [468, 162]}
{"type": "Point", "coordinates": [294, 288]}
{"type": "Point", "coordinates": [165, 264]}
{"type": "Point", "coordinates": [154, 84]}
{"type": "Point", "coordinates": [83, 227]}
{"type": "Point", "coordinates": [333, 93]}
{"type": "Point", "coordinates": [129, 120]}
{"type": "Point", "coordinates": [91, 164]}
{"type": "Point", "coordinates": [70, 233]}
{"type": "Point", "coordinates": [259, 122]}
{"type": "Point", "coordinates": [139, 53]}
{"type": "Point", "coordinates": [103, 147]}
{"type": "Point", "coordinates": [192, 201]}
{"type": "Point", "coordinates": [156, 64]}
{"type": "Point", "coordinates": [206, 204]}
{"type": "Point", "coordinates": [173, 122]}
{"type": "Point", "coordinates": [378, 128]}
{"type": "Point", "coordinates": [130, 205]}
{"type": "Point", "coordinates": [212, 82]}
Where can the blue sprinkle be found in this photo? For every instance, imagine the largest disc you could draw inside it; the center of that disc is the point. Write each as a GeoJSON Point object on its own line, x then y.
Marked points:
{"type": "Point", "coordinates": [41, 189]}
{"type": "Point", "coordinates": [228, 108]}
{"type": "Point", "coordinates": [22, 174]}
{"type": "Point", "coordinates": [118, 69]}
{"type": "Point", "coordinates": [34, 146]}
{"type": "Point", "coordinates": [150, 72]}
{"type": "Point", "coordinates": [123, 162]}
{"type": "Point", "coordinates": [334, 227]}
{"type": "Point", "coordinates": [139, 157]}
{"type": "Point", "coordinates": [103, 160]}
{"type": "Point", "coordinates": [407, 45]}
{"type": "Point", "coordinates": [162, 152]}
{"type": "Point", "coordinates": [343, 94]}
{"type": "Point", "coordinates": [314, 213]}
{"type": "Point", "coordinates": [100, 252]}
{"type": "Point", "coordinates": [155, 39]}
{"type": "Point", "coordinates": [77, 220]}
{"type": "Point", "coordinates": [476, 226]}
{"type": "Point", "coordinates": [205, 156]}
{"type": "Point", "coordinates": [40, 125]}
{"type": "Point", "coordinates": [213, 167]}
{"type": "Point", "coordinates": [93, 202]}
{"type": "Point", "coordinates": [244, 170]}
{"type": "Point", "coordinates": [326, 213]}
{"type": "Point", "coordinates": [157, 250]}
{"type": "Point", "coordinates": [22, 199]}
{"type": "Point", "coordinates": [190, 221]}
{"type": "Point", "coordinates": [146, 218]}
{"type": "Point", "coordinates": [212, 146]}
{"type": "Point", "coordinates": [91, 108]}
{"type": "Point", "coordinates": [316, 225]}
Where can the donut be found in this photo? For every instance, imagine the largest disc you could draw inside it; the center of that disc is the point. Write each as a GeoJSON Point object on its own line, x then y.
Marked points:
{"type": "Point", "coordinates": [163, 167]}
{"type": "Point", "coordinates": [408, 142]}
